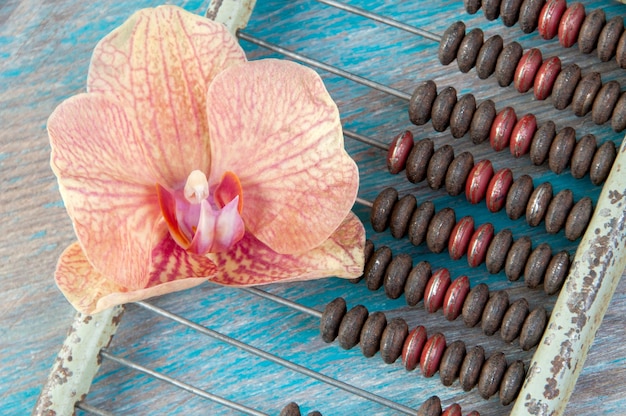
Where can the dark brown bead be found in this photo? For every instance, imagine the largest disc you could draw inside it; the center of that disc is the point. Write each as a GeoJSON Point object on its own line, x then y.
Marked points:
{"type": "Point", "coordinates": [618, 119]}
{"type": "Point", "coordinates": [561, 150]}
{"type": "Point", "coordinates": [578, 219]}
{"type": "Point", "coordinates": [541, 143]}
{"type": "Point", "coordinates": [450, 42]}
{"type": "Point", "coordinates": [518, 196]}
{"type": "Point", "coordinates": [513, 320]}
{"type": "Point", "coordinates": [314, 413]}
{"type": "Point", "coordinates": [421, 102]}
{"type": "Point", "coordinates": [488, 56]}
{"type": "Point", "coordinates": [470, 369]}
{"type": "Point", "coordinates": [331, 319]}
{"type": "Point", "coordinates": [590, 31]}
{"type": "Point", "coordinates": [538, 204]}
{"type": "Point", "coordinates": [509, 11]}
{"type": "Point", "coordinates": [533, 328]}
{"type": "Point", "coordinates": [468, 50]}
{"type": "Point", "coordinates": [512, 382]}
{"type": "Point", "coordinates": [457, 173]}
{"type": "Point", "coordinates": [372, 333]}
{"type": "Point", "coordinates": [498, 249]}
{"type": "Point", "coordinates": [583, 154]}
{"type": "Point", "coordinates": [602, 162]}
{"type": "Point", "coordinates": [392, 340]}
{"type": "Point", "coordinates": [442, 108]}
{"type": "Point", "coordinates": [401, 215]}
{"type": "Point", "coordinates": [381, 209]}
{"type": "Point", "coordinates": [418, 227]}
{"type": "Point", "coordinates": [585, 93]}
{"type": "Point", "coordinates": [620, 53]}
{"type": "Point", "coordinates": [376, 268]}
{"type": "Point", "coordinates": [439, 230]}
{"type": "Point", "coordinates": [558, 210]}
{"type": "Point", "coordinates": [491, 375]}
{"type": "Point", "coordinates": [292, 409]}
{"type": "Point", "coordinates": [609, 36]}
{"type": "Point", "coordinates": [438, 166]}
{"type": "Point", "coordinates": [481, 122]}
{"type": "Point", "coordinates": [475, 304]}
{"type": "Point", "coordinates": [431, 407]}
{"type": "Point", "coordinates": [517, 257]}
{"type": "Point", "coordinates": [451, 362]}
{"type": "Point", "coordinates": [416, 283]}
{"type": "Point", "coordinates": [351, 325]}
{"type": "Point", "coordinates": [565, 85]}
{"type": "Point", "coordinates": [494, 311]}
{"type": "Point", "coordinates": [507, 63]}
{"type": "Point", "coordinates": [396, 275]}
{"type": "Point", "coordinates": [529, 15]}
{"type": "Point", "coordinates": [368, 250]}
{"type": "Point", "coordinates": [417, 163]}
{"type": "Point", "coordinates": [605, 101]}
{"type": "Point", "coordinates": [491, 9]}
{"type": "Point", "coordinates": [536, 265]}
{"type": "Point", "coordinates": [556, 273]}
{"type": "Point", "coordinates": [472, 6]}
{"type": "Point", "coordinates": [461, 116]}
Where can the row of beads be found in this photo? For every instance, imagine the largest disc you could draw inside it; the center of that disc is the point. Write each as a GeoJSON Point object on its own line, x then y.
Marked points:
{"type": "Point", "coordinates": [529, 70]}
{"type": "Point", "coordinates": [292, 409]}
{"type": "Point", "coordinates": [432, 407]}
{"type": "Point", "coordinates": [504, 129]}
{"type": "Point", "coordinates": [554, 18]}
{"type": "Point", "coordinates": [393, 340]}
{"type": "Point", "coordinates": [438, 291]}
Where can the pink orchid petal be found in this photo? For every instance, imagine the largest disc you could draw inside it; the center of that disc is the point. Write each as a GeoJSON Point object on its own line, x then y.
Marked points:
{"type": "Point", "coordinates": [218, 229]}
{"type": "Point", "coordinates": [168, 204]}
{"type": "Point", "coordinates": [158, 64]}
{"type": "Point", "coordinates": [299, 183]}
{"type": "Point", "coordinates": [229, 188]}
{"type": "Point", "coordinates": [252, 263]}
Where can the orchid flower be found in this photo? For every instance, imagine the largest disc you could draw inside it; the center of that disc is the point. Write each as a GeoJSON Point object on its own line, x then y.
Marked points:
{"type": "Point", "coordinates": [184, 162]}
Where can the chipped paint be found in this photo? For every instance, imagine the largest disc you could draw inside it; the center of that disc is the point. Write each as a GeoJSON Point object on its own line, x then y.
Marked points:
{"type": "Point", "coordinates": [234, 14]}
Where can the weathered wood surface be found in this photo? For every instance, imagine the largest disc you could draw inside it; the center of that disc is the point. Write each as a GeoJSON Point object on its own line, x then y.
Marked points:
{"type": "Point", "coordinates": [45, 50]}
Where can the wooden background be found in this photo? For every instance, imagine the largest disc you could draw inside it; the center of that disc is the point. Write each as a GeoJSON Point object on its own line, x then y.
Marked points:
{"type": "Point", "coordinates": [44, 54]}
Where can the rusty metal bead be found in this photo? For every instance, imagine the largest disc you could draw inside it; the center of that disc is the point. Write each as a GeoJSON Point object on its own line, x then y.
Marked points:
{"type": "Point", "coordinates": [565, 85]}
{"type": "Point", "coordinates": [488, 56]}
{"type": "Point", "coordinates": [507, 63]}
{"type": "Point", "coordinates": [457, 173]}
{"type": "Point", "coordinates": [578, 218]}
{"type": "Point", "coordinates": [517, 257]}
{"type": "Point", "coordinates": [450, 42]}
{"type": "Point", "coordinates": [418, 159]}
{"type": "Point", "coordinates": [331, 319]}
{"type": "Point", "coordinates": [401, 214]}
{"type": "Point", "coordinates": [478, 245]}
{"type": "Point", "coordinates": [497, 251]}
{"type": "Point", "coordinates": [605, 102]}
{"type": "Point", "coordinates": [509, 11]}
{"type": "Point", "coordinates": [392, 340]}
{"type": "Point", "coordinates": [461, 116]}
{"type": "Point", "coordinates": [431, 354]}
{"type": "Point", "coordinates": [442, 108]}
{"type": "Point", "coordinates": [590, 31]}
{"type": "Point", "coordinates": [455, 297]}
{"type": "Point", "coordinates": [518, 196]}
{"type": "Point", "coordinates": [558, 210]}
{"type": "Point", "coordinates": [570, 24]}
{"type": "Point", "coordinates": [494, 311]}
{"type": "Point", "coordinates": [502, 128]}
{"type": "Point", "coordinates": [468, 50]}
{"type": "Point", "coordinates": [439, 230]}
{"type": "Point", "coordinates": [292, 409]}
{"type": "Point", "coordinates": [376, 268]}
{"type": "Point", "coordinates": [512, 382]}
{"type": "Point", "coordinates": [491, 9]}
{"type": "Point", "coordinates": [529, 15]}
{"type": "Point", "coordinates": [561, 150]}
{"type": "Point", "coordinates": [413, 346]}
{"type": "Point", "coordinates": [550, 17]}
{"type": "Point", "coordinates": [536, 265]}
{"type": "Point", "coordinates": [602, 162]}
{"type": "Point", "coordinates": [438, 166]}
{"type": "Point", "coordinates": [545, 78]}
{"type": "Point", "coordinates": [541, 143]}
{"type": "Point", "coordinates": [475, 304]}
{"type": "Point", "coordinates": [618, 118]}
{"type": "Point", "coordinates": [372, 333]}
{"type": "Point", "coordinates": [513, 320]}
{"type": "Point", "coordinates": [609, 37]}
{"type": "Point", "coordinates": [431, 407]}
{"type": "Point", "coordinates": [451, 362]}
{"type": "Point", "coordinates": [398, 151]}
{"type": "Point", "coordinates": [421, 103]}
{"type": "Point", "coordinates": [482, 121]}
{"type": "Point", "coordinates": [453, 410]}
{"type": "Point", "coordinates": [526, 69]}
{"type": "Point", "coordinates": [351, 325]}
{"type": "Point", "coordinates": [381, 209]}
{"type": "Point", "coordinates": [478, 181]}
{"type": "Point", "coordinates": [585, 93]}
{"type": "Point", "coordinates": [583, 155]}
{"type": "Point", "coordinates": [538, 204]}
{"type": "Point", "coordinates": [435, 291]}
{"type": "Point", "coordinates": [368, 250]}
{"type": "Point", "coordinates": [418, 226]}
{"type": "Point", "coordinates": [396, 274]}
{"type": "Point", "coordinates": [498, 189]}
{"type": "Point", "coordinates": [522, 135]}
{"type": "Point", "coordinates": [533, 328]}
{"type": "Point", "coordinates": [460, 237]}
{"type": "Point", "coordinates": [470, 369]}
{"type": "Point", "coordinates": [491, 375]}
{"type": "Point", "coordinates": [556, 273]}
{"type": "Point", "coordinates": [416, 283]}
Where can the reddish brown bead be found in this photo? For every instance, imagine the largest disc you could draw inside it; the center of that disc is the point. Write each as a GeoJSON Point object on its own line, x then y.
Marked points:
{"type": "Point", "coordinates": [475, 304]}
{"type": "Point", "coordinates": [526, 70]}
{"type": "Point", "coordinates": [542, 140]}
{"type": "Point", "coordinates": [413, 346]}
{"type": "Point", "coordinates": [396, 274]}
{"type": "Point", "coordinates": [529, 15]}
{"type": "Point", "coordinates": [351, 325]}
{"type": "Point", "coordinates": [417, 163]}
{"type": "Point", "coordinates": [538, 204]}
{"type": "Point", "coordinates": [605, 102]}
{"type": "Point", "coordinates": [546, 77]}
{"type": "Point", "coordinates": [590, 31]}
{"type": "Point", "coordinates": [431, 354]}
{"type": "Point", "coordinates": [401, 214]}
{"type": "Point", "coordinates": [418, 227]}
{"type": "Point", "coordinates": [512, 382]}
{"type": "Point", "coordinates": [460, 237]}
{"type": "Point", "coordinates": [550, 17]}
{"type": "Point", "coordinates": [436, 290]}
{"type": "Point", "coordinates": [442, 109]}
{"type": "Point", "coordinates": [498, 189]}
{"type": "Point", "coordinates": [473, 413]}
{"type": "Point", "coordinates": [431, 407]}
{"type": "Point", "coordinates": [585, 93]}
{"type": "Point", "coordinates": [479, 243]}
{"type": "Point", "coordinates": [491, 375]}
{"type": "Point", "coordinates": [468, 50]}
{"type": "Point", "coordinates": [488, 56]}
{"type": "Point", "coordinates": [398, 152]}
{"type": "Point", "coordinates": [501, 129]}
{"type": "Point", "coordinates": [556, 273]}
{"type": "Point", "coordinates": [438, 166]}
{"type": "Point", "coordinates": [507, 63]}
{"type": "Point", "coordinates": [602, 162]}
{"type": "Point", "coordinates": [583, 155]}
{"type": "Point", "coordinates": [381, 209]}
{"type": "Point", "coordinates": [516, 258]}
{"type": "Point", "coordinates": [518, 196]}
{"type": "Point", "coordinates": [565, 85]}
{"type": "Point", "coordinates": [558, 210]}
{"type": "Point", "coordinates": [371, 333]}
{"type": "Point", "coordinates": [331, 319]}
{"type": "Point", "coordinates": [376, 268]}
{"type": "Point", "coordinates": [494, 311]}
{"type": "Point", "coordinates": [439, 230]}
{"type": "Point", "coordinates": [453, 410]}
{"type": "Point", "coordinates": [609, 37]}
{"type": "Point", "coordinates": [561, 150]}
{"type": "Point", "coordinates": [478, 181]}
{"type": "Point", "coordinates": [451, 362]}
{"type": "Point", "coordinates": [455, 297]}
{"type": "Point", "coordinates": [578, 218]}
{"type": "Point", "coordinates": [497, 251]}
{"type": "Point", "coordinates": [470, 369]}
{"type": "Point", "coordinates": [457, 173]}
{"type": "Point", "coordinates": [392, 340]}
{"type": "Point", "coordinates": [416, 283]}
{"type": "Point", "coordinates": [450, 41]}
{"type": "Point", "coordinates": [421, 103]}
{"type": "Point", "coordinates": [461, 116]}
{"type": "Point", "coordinates": [522, 135]}
{"type": "Point", "coordinates": [533, 328]}
{"type": "Point", "coordinates": [482, 121]}
{"type": "Point", "coordinates": [513, 320]}
{"type": "Point", "coordinates": [570, 24]}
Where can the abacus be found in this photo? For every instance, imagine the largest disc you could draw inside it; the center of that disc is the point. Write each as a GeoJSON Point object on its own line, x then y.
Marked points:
{"type": "Point", "coordinates": [484, 168]}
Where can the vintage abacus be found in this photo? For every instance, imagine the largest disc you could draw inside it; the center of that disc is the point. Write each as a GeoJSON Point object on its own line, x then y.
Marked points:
{"type": "Point", "coordinates": [491, 187]}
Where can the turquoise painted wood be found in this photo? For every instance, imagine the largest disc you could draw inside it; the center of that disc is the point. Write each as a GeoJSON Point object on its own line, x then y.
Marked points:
{"type": "Point", "coordinates": [45, 50]}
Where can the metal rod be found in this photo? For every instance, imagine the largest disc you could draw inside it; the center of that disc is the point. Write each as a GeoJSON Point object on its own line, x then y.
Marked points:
{"type": "Point", "coordinates": [92, 409]}
{"type": "Point", "coordinates": [366, 140]}
{"type": "Point", "coordinates": [282, 301]}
